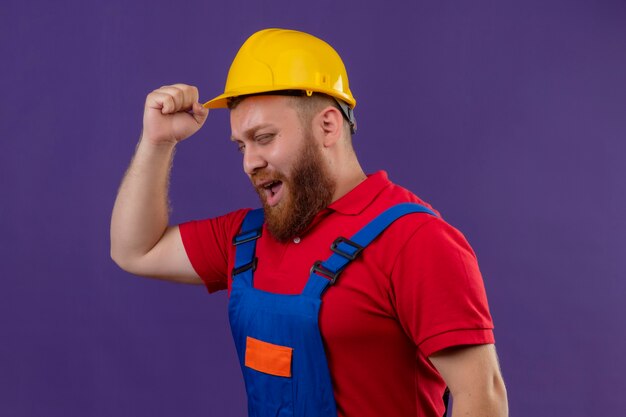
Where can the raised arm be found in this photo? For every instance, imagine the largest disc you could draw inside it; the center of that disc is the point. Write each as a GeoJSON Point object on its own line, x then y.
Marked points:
{"type": "Point", "coordinates": [141, 240]}
{"type": "Point", "coordinates": [473, 376]}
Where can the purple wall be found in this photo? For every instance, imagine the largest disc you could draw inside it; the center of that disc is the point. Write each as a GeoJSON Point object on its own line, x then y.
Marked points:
{"type": "Point", "coordinates": [509, 119]}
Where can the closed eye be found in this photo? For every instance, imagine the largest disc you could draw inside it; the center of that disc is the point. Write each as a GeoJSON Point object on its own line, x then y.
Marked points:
{"type": "Point", "coordinates": [264, 138]}
{"type": "Point", "coordinates": [240, 146]}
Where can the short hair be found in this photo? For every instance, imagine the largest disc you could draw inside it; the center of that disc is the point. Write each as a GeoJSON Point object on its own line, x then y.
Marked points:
{"type": "Point", "coordinates": [307, 106]}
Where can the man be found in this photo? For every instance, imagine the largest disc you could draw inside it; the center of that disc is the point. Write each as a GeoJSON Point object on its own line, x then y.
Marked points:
{"type": "Point", "coordinates": [375, 323]}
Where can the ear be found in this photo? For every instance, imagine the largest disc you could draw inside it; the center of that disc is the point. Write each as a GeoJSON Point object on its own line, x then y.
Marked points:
{"type": "Point", "coordinates": [331, 123]}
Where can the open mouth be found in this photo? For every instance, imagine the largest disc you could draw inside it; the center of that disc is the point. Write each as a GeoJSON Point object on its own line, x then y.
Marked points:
{"type": "Point", "coordinates": [273, 192]}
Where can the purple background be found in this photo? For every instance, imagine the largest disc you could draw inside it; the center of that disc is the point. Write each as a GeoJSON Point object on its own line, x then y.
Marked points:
{"type": "Point", "coordinates": [509, 119]}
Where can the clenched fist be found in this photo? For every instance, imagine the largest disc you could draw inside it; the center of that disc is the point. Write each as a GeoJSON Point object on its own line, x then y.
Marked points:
{"type": "Point", "coordinates": [172, 113]}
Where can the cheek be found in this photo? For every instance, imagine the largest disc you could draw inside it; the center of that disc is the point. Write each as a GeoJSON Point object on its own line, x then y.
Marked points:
{"type": "Point", "coordinates": [283, 155]}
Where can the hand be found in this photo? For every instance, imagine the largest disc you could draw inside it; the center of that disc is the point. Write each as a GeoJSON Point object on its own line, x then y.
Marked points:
{"type": "Point", "coordinates": [172, 113]}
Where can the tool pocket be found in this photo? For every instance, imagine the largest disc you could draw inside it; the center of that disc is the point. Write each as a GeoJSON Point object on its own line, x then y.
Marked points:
{"type": "Point", "coordinates": [268, 378]}
{"type": "Point", "coordinates": [268, 358]}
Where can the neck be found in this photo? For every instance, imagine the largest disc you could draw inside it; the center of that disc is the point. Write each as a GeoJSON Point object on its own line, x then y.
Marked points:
{"type": "Point", "coordinates": [349, 177]}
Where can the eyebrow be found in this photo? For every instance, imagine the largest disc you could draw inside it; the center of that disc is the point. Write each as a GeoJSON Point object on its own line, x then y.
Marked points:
{"type": "Point", "coordinates": [250, 132]}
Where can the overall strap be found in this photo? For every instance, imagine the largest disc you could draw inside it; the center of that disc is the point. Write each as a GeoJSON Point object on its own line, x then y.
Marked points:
{"type": "Point", "coordinates": [324, 274]}
{"type": "Point", "coordinates": [245, 245]}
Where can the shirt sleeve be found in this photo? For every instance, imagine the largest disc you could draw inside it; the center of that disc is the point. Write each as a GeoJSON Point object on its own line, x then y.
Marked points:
{"type": "Point", "coordinates": [208, 244]}
{"type": "Point", "coordinates": [439, 292]}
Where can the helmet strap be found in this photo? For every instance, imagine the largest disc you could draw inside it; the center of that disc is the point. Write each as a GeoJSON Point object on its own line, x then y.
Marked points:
{"type": "Point", "coordinates": [348, 114]}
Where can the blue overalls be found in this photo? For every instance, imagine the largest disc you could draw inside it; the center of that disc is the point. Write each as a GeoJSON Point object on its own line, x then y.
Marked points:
{"type": "Point", "coordinates": [277, 336]}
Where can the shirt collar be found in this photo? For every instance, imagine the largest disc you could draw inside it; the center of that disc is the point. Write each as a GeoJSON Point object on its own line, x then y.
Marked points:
{"type": "Point", "coordinates": [357, 199]}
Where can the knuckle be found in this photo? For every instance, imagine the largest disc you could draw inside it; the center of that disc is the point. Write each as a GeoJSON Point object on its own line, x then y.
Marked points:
{"type": "Point", "coordinates": [169, 101]}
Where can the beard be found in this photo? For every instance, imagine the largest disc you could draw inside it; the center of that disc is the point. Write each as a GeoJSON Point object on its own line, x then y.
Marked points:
{"type": "Point", "coordinates": [309, 189]}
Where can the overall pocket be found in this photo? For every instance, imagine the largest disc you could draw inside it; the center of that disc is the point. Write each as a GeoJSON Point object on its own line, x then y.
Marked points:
{"type": "Point", "coordinates": [269, 384]}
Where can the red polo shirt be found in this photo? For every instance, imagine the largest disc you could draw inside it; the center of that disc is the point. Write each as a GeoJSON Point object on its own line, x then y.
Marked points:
{"type": "Point", "coordinates": [415, 290]}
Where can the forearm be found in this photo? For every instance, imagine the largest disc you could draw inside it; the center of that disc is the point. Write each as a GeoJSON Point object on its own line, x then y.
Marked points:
{"type": "Point", "coordinates": [473, 375]}
{"type": "Point", "coordinates": [141, 211]}
{"type": "Point", "coordinates": [488, 402]}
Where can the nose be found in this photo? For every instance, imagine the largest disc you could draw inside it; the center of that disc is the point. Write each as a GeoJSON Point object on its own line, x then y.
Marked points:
{"type": "Point", "coordinates": [252, 160]}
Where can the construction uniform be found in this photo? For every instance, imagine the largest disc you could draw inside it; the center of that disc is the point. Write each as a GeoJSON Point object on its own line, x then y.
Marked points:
{"type": "Point", "coordinates": [414, 290]}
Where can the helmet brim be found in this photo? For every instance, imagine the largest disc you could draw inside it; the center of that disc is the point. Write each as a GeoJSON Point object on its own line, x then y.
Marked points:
{"type": "Point", "coordinates": [221, 101]}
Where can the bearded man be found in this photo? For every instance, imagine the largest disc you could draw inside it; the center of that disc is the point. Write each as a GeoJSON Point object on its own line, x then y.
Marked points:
{"type": "Point", "coordinates": [348, 295]}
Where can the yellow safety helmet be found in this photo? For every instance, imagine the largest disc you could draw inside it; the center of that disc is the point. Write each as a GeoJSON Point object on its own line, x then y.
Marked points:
{"type": "Point", "coordinates": [274, 60]}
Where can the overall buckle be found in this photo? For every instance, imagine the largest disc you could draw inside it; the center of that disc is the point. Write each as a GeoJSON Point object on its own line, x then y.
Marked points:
{"type": "Point", "coordinates": [250, 265]}
{"type": "Point", "coordinates": [351, 256]}
{"type": "Point", "coordinates": [247, 236]}
{"type": "Point", "coordinates": [320, 269]}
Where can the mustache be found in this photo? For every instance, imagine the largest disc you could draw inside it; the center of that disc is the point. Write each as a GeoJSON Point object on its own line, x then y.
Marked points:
{"type": "Point", "coordinates": [267, 175]}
